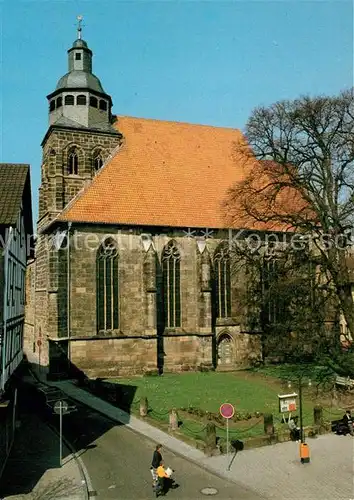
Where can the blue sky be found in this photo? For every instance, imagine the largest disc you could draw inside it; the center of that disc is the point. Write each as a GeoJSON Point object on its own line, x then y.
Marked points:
{"type": "Point", "coordinates": [209, 62]}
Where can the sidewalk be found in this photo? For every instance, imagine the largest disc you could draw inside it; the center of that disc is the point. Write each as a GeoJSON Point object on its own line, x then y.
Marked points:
{"type": "Point", "coordinates": [33, 472]}
{"type": "Point", "coordinates": [274, 471]}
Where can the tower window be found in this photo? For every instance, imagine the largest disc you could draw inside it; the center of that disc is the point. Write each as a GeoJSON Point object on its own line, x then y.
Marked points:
{"type": "Point", "coordinates": [107, 287]}
{"type": "Point", "coordinates": [93, 101]}
{"type": "Point", "coordinates": [69, 100]}
{"type": "Point", "coordinates": [103, 105]}
{"type": "Point", "coordinates": [78, 56]}
{"type": "Point", "coordinates": [52, 105]}
{"type": "Point", "coordinates": [73, 162]}
{"type": "Point", "coordinates": [59, 102]}
{"type": "Point", "coordinates": [81, 100]}
{"type": "Point", "coordinates": [97, 161]}
{"type": "Point", "coordinates": [171, 259]}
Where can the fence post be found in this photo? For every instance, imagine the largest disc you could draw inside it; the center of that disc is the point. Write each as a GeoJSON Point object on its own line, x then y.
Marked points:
{"type": "Point", "coordinates": [210, 438]}
{"type": "Point", "coordinates": [173, 420]}
{"type": "Point", "coordinates": [143, 407]}
{"type": "Point", "coordinates": [268, 424]}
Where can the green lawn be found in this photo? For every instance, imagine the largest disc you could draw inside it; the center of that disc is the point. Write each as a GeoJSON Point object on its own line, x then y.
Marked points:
{"type": "Point", "coordinates": [248, 391]}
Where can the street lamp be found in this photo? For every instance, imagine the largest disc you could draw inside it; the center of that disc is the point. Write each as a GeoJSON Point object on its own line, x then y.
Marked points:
{"type": "Point", "coordinates": [304, 452]}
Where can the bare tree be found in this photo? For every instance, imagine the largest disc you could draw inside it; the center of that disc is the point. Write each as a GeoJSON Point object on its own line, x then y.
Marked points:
{"type": "Point", "coordinates": [303, 183]}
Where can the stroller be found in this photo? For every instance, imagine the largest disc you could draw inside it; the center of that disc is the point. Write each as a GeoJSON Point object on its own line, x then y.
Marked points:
{"type": "Point", "coordinates": [161, 486]}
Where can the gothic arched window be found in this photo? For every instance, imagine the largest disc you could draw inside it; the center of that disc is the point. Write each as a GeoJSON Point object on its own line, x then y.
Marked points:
{"type": "Point", "coordinates": [222, 282]}
{"type": "Point", "coordinates": [271, 298]}
{"type": "Point", "coordinates": [69, 100]}
{"type": "Point", "coordinates": [81, 100]}
{"type": "Point", "coordinates": [73, 162]}
{"type": "Point", "coordinates": [107, 287]}
{"type": "Point", "coordinates": [171, 259]}
{"type": "Point", "coordinates": [97, 161]}
{"type": "Point", "coordinates": [93, 101]}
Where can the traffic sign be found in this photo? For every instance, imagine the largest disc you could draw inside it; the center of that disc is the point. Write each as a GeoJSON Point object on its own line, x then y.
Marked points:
{"type": "Point", "coordinates": [227, 410]}
{"type": "Point", "coordinates": [61, 406]}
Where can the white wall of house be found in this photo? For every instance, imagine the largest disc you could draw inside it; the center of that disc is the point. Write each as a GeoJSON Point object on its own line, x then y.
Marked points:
{"type": "Point", "coordinates": [15, 258]}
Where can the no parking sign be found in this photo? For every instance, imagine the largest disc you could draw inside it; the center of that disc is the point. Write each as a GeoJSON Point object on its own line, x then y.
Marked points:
{"type": "Point", "coordinates": [227, 411]}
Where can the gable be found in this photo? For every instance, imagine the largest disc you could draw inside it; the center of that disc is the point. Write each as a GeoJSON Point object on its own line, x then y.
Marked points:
{"type": "Point", "coordinates": [15, 186]}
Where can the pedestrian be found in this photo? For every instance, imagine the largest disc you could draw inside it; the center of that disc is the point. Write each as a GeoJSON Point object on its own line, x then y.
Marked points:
{"type": "Point", "coordinates": [348, 421]}
{"type": "Point", "coordinates": [294, 429]}
{"type": "Point", "coordinates": [156, 460]}
{"type": "Point", "coordinates": [162, 475]}
{"type": "Point", "coordinates": [157, 457]}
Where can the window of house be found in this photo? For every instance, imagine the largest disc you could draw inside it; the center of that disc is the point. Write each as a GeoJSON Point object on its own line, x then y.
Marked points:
{"type": "Point", "coordinates": [78, 56]}
{"type": "Point", "coordinates": [103, 105]}
{"type": "Point", "coordinates": [81, 100]}
{"type": "Point", "coordinates": [73, 162]}
{"type": "Point", "coordinates": [171, 261]}
{"type": "Point", "coordinates": [69, 100]}
{"type": "Point", "coordinates": [222, 275]}
{"type": "Point", "coordinates": [107, 287]}
{"type": "Point", "coordinates": [93, 101]}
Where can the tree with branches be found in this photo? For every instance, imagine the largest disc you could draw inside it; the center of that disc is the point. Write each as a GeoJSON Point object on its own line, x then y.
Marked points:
{"type": "Point", "coordinates": [302, 184]}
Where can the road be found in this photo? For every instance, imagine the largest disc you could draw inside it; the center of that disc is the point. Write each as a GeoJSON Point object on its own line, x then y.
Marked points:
{"type": "Point", "coordinates": [118, 462]}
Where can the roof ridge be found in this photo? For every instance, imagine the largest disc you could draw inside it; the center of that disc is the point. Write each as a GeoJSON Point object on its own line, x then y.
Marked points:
{"type": "Point", "coordinates": [199, 125]}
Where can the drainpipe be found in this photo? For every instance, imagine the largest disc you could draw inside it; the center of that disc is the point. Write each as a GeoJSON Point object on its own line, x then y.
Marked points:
{"type": "Point", "coordinates": [5, 306]}
{"type": "Point", "coordinates": [68, 294]}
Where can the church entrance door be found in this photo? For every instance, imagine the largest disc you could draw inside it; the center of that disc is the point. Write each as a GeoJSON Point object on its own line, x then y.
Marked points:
{"type": "Point", "coordinates": [225, 351]}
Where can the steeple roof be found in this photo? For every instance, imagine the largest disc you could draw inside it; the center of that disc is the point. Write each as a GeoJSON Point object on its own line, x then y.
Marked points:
{"type": "Point", "coordinates": [80, 80]}
{"type": "Point", "coordinates": [80, 74]}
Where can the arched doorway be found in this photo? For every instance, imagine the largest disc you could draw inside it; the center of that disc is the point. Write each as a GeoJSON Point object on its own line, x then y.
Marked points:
{"type": "Point", "coordinates": [225, 350]}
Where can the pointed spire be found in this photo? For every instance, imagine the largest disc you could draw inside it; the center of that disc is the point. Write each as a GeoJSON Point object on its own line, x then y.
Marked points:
{"type": "Point", "coordinates": [79, 26]}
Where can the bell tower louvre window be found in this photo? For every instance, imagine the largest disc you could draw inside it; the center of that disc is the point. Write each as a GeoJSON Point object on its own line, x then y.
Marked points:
{"type": "Point", "coordinates": [81, 100]}
{"type": "Point", "coordinates": [69, 100]}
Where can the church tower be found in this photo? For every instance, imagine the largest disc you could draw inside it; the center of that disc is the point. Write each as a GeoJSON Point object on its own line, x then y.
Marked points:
{"type": "Point", "coordinates": [81, 135]}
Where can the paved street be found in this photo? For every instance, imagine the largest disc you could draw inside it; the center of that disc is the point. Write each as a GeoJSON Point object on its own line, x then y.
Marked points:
{"type": "Point", "coordinates": [118, 462]}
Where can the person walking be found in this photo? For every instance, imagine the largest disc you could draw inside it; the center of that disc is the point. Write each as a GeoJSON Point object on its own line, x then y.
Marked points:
{"type": "Point", "coordinates": [156, 460]}
{"type": "Point", "coordinates": [157, 457]}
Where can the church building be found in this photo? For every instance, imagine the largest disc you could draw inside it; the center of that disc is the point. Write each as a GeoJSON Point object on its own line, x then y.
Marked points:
{"type": "Point", "coordinates": [133, 272]}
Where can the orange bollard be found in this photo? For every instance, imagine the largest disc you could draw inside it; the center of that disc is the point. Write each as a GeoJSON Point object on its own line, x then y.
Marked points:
{"type": "Point", "coordinates": [304, 453]}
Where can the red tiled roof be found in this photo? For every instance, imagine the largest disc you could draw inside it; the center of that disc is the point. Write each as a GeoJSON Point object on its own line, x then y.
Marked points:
{"type": "Point", "coordinates": [165, 174]}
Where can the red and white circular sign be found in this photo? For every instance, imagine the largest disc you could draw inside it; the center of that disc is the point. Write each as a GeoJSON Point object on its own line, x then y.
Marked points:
{"type": "Point", "coordinates": [227, 410]}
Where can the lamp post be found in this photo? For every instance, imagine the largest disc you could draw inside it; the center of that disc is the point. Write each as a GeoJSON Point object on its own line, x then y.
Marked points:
{"type": "Point", "coordinates": [303, 447]}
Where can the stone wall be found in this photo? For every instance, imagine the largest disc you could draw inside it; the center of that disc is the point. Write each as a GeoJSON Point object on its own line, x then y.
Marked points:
{"type": "Point", "coordinates": [114, 357]}
{"type": "Point", "coordinates": [187, 353]}
{"type": "Point", "coordinates": [141, 316]}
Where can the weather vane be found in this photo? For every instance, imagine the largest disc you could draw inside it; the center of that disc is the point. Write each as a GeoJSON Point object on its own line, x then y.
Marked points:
{"type": "Point", "coordinates": [79, 26]}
